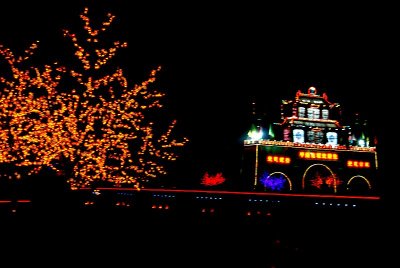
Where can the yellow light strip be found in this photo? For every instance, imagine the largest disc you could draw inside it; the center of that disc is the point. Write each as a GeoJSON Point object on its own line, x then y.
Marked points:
{"type": "Point", "coordinates": [358, 164]}
{"type": "Point", "coordinates": [278, 159]}
{"type": "Point", "coordinates": [318, 155]}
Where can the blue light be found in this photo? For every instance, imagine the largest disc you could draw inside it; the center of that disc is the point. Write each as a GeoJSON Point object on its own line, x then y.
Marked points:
{"type": "Point", "coordinates": [274, 183]}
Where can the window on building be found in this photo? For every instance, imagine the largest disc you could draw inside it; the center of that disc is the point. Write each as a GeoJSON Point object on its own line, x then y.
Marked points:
{"type": "Point", "coordinates": [315, 136]}
{"type": "Point", "coordinates": [325, 114]}
{"type": "Point", "coordinates": [318, 136]}
{"type": "Point", "coordinates": [302, 112]}
{"type": "Point", "coordinates": [313, 113]}
{"type": "Point", "coordinates": [298, 135]}
{"type": "Point", "coordinates": [310, 136]}
{"type": "Point", "coordinates": [286, 134]}
{"type": "Point", "coordinates": [316, 113]}
{"type": "Point", "coordinates": [331, 138]}
{"type": "Point", "coordinates": [310, 113]}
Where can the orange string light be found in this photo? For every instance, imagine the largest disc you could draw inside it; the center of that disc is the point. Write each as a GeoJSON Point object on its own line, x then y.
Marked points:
{"type": "Point", "coordinates": [95, 131]}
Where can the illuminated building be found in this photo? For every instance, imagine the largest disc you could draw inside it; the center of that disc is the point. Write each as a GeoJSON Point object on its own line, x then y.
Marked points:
{"type": "Point", "coordinates": [311, 151]}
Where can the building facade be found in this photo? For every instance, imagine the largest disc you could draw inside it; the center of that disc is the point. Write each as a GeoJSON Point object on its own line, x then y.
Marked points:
{"type": "Point", "coordinates": [311, 151]}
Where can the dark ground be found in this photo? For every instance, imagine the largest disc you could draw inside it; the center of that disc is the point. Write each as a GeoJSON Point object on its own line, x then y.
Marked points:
{"type": "Point", "coordinates": [289, 236]}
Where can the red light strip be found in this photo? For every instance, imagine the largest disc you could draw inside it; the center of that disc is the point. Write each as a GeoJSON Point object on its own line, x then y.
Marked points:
{"type": "Point", "coordinates": [18, 201]}
{"type": "Point", "coordinates": [24, 201]}
{"type": "Point", "coordinates": [242, 193]}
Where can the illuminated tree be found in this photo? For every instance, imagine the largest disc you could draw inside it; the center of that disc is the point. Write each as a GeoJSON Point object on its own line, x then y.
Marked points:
{"type": "Point", "coordinates": [325, 183]}
{"type": "Point", "coordinates": [273, 183]}
{"type": "Point", "coordinates": [111, 135]}
{"type": "Point", "coordinates": [28, 113]}
{"type": "Point", "coordinates": [82, 122]}
{"type": "Point", "coordinates": [212, 180]}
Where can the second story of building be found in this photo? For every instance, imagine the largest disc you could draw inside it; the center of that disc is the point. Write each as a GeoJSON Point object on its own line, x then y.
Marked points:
{"type": "Point", "coordinates": [310, 119]}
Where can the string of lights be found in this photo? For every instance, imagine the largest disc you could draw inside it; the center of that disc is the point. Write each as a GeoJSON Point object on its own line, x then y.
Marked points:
{"type": "Point", "coordinates": [96, 129]}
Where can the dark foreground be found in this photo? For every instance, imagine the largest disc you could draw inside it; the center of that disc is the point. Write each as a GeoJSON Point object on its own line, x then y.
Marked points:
{"type": "Point", "coordinates": [200, 229]}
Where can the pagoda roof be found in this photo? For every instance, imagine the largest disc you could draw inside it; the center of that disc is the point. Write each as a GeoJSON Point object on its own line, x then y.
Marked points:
{"type": "Point", "coordinates": [313, 98]}
{"type": "Point", "coordinates": [321, 123]}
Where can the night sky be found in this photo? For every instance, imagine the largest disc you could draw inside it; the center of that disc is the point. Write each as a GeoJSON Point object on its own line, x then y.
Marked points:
{"type": "Point", "coordinates": [217, 58]}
